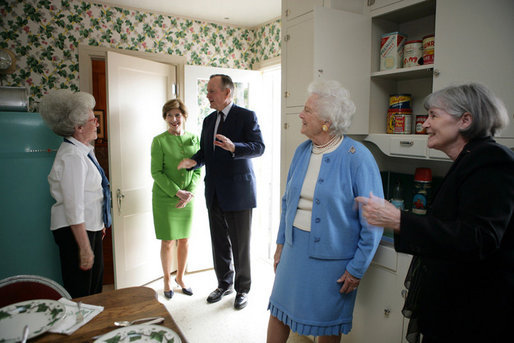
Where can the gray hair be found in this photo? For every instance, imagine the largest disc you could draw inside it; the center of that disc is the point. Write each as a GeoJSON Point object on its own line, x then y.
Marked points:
{"type": "Point", "coordinates": [226, 82]}
{"type": "Point", "coordinates": [487, 110]}
{"type": "Point", "coordinates": [333, 104]}
{"type": "Point", "coordinates": [63, 110]}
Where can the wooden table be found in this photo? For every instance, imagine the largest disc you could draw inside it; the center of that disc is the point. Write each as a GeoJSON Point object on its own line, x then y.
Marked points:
{"type": "Point", "coordinates": [122, 304]}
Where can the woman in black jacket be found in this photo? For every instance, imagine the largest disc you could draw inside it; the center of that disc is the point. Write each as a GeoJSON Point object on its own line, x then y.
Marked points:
{"type": "Point", "coordinates": [461, 279]}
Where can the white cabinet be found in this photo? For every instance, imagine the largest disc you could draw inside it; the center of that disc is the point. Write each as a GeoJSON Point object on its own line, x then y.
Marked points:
{"type": "Point", "coordinates": [374, 5]}
{"type": "Point", "coordinates": [377, 315]}
{"type": "Point", "coordinates": [469, 47]}
{"type": "Point", "coordinates": [377, 7]}
{"type": "Point", "coordinates": [322, 43]}
{"type": "Point", "coordinates": [476, 45]}
{"type": "Point", "coordinates": [297, 50]}
{"type": "Point", "coordinates": [294, 8]}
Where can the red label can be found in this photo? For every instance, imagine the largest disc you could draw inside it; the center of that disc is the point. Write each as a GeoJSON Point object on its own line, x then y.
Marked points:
{"type": "Point", "coordinates": [428, 49]}
{"type": "Point", "coordinates": [399, 121]}
{"type": "Point", "coordinates": [420, 119]}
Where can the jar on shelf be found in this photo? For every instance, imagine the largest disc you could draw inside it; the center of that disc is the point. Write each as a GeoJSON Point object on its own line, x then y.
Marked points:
{"type": "Point", "coordinates": [397, 198]}
{"type": "Point", "coordinates": [422, 190]}
{"type": "Point", "coordinates": [413, 53]}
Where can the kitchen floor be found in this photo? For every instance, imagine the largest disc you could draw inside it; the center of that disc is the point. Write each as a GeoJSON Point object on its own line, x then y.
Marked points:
{"type": "Point", "coordinates": [219, 322]}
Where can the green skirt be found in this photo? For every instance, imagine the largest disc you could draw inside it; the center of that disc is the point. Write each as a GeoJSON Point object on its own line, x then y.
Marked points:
{"type": "Point", "coordinates": [171, 223]}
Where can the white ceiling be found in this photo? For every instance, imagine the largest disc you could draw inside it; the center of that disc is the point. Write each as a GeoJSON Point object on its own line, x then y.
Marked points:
{"type": "Point", "coordinates": [242, 13]}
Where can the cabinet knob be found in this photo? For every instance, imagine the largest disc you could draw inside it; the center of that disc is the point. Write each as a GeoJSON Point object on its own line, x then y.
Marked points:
{"type": "Point", "coordinates": [287, 37]}
{"type": "Point", "coordinates": [288, 12]}
{"type": "Point", "coordinates": [286, 126]}
{"type": "Point", "coordinates": [387, 311]}
{"type": "Point", "coordinates": [286, 94]}
{"type": "Point", "coordinates": [371, 2]}
{"type": "Point", "coordinates": [404, 293]}
{"type": "Point", "coordinates": [436, 72]}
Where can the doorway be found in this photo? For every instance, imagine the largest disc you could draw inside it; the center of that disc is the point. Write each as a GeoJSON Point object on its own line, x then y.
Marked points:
{"type": "Point", "coordinates": [137, 109]}
{"type": "Point", "coordinates": [102, 155]}
{"type": "Point", "coordinates": [265, 100]}
{"type": "Point", "coordinates": [260, 92]}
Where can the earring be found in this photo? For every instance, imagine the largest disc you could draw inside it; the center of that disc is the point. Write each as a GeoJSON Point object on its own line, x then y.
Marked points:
{"type": "Point", "coordinates": [324, 128]}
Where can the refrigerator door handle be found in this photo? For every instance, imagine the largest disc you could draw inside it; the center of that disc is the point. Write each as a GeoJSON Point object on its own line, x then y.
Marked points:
{"type": "Point", "coordinates": [119, 196]}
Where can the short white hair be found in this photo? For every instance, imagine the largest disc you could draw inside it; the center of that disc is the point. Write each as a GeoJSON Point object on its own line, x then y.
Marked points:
{"type": "Point", "coordinates": [333, 104]}
{"type": "Point", "coordinates": [63, 110]}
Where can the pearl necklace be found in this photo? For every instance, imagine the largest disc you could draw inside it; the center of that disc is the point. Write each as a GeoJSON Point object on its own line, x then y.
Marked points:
{"type": "Point", "coordinates": [320, 149]}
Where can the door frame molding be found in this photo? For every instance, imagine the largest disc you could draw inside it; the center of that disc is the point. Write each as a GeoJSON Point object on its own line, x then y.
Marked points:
{"type": "Point", "coordinates": [88, 53]}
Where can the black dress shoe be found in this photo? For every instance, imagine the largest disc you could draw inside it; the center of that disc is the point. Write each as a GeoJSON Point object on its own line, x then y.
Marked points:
{"type": "Point", "coordinates": [168, 294]}
{"type": "Point", "coordinates": [218, 293]}
{"type": "Point", "coordinates": [186, 291]}
{"type": "Point", "coordinates": [241, 301]}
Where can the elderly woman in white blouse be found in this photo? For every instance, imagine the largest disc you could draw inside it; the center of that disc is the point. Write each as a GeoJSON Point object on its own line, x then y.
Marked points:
{"type": "Point", "coordinates": [79, 216]}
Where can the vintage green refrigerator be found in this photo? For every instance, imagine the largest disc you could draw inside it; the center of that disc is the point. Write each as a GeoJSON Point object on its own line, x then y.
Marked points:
{"type": "Point", "coordinates": [27, 151]}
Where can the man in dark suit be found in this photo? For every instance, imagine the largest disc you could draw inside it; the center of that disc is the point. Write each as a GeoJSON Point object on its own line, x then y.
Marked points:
{"type": "Point", "coordinates": [230, 138]}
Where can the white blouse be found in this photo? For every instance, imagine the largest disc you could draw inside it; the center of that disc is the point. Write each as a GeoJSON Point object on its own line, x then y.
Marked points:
{"type": "Point", "coordinates": [76, 186]}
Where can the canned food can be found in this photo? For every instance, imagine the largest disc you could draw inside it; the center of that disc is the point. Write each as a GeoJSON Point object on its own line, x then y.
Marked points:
{"type": "Point", "coordinates": [399, 121]}
{"type": "Point", "coordinates": [420, 119]}
{"type": "Point", "coordinates": [402, 123]}
{"type": "Point", "coordinates": [399, 101]}
{"type": "Point", "coordinates": [390, 122]}
{"type": "Point", "coordinates": [391, 50]}
{"type": "Point", "coordinates": [428, 49]}
{"type": "Point", "coordinates": [413, 53]}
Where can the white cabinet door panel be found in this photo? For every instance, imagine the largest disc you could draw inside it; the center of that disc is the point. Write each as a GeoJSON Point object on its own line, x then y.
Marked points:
{"type": "Point", "coordinates": [476, 45]}
{"type": "Point", "coordinates": [294, 8]}
{"type": "Point", "coordinates": [342, 46]}
{"type": "Point", "coordinates": [299, 45]}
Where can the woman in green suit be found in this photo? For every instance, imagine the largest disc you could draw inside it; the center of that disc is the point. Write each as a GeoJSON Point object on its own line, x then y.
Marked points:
{"type": "Point", "coordinates": [173, 191]}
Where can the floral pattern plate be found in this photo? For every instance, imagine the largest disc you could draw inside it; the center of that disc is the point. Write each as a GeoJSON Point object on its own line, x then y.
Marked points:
{"type": "Point", "coordinates": [40, 315]}
{"type": "Point", "coordinates": [141, 333]}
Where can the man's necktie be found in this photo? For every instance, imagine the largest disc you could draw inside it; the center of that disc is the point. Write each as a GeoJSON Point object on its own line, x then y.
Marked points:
{"type": "Point", "coordinates": [220, 124]}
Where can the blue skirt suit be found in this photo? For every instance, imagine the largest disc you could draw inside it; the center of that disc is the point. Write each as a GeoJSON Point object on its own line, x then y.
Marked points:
{"type": "Point", "coordinates": [305, 293]}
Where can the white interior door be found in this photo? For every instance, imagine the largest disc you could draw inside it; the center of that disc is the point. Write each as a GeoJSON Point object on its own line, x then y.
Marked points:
{"type": "Point", "coordinates": [137, 89]}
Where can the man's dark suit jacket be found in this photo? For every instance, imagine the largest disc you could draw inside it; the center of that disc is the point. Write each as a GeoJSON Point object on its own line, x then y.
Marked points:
{"type": "Point", "coordinates": [231, 177]}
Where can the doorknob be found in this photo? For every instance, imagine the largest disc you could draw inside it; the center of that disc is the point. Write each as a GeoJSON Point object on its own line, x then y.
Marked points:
{"type": "Point", "coordinates": [119, 196]}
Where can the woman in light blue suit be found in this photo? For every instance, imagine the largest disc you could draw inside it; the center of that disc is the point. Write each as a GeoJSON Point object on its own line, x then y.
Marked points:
{"type": "Point", "coordinates": [323, 245]}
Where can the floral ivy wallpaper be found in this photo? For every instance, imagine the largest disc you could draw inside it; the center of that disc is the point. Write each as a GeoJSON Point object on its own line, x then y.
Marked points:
{"type": "Point", "coordinates": [45, 35]}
